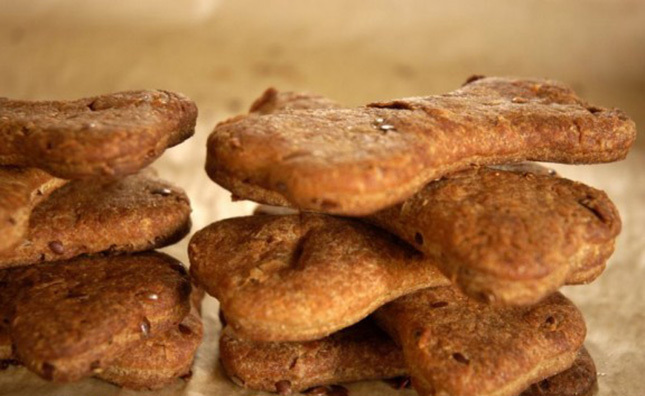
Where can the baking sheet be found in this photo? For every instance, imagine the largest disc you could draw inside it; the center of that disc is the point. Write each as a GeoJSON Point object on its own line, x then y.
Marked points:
{"type": "Point", "coordinates": [354, 54]}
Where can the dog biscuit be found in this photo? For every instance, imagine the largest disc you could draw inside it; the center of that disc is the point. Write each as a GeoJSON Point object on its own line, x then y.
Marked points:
{"type": "Point", "coordinates": [108, 135]}
{"type": "Point", "coordinates": [511, 236]}
{"type": "Point", "coordinates": [158, 361]}
{"type": "Point", "coordinates": [359, 352]}
{"type": "Point", "coordinates": [358, 161]}
{"type": "Point", "coordinates": [456, 346]}
{"type": "Point", "coordinates": [70, 319]}
{"type": "Point", "coordinates": [136, 213]}
{"type": "Point", "coordinates": [302, 277]}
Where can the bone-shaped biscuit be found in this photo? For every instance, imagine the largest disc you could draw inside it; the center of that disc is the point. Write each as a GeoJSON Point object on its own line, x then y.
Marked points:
{"type": "Point", "coordinates": [357, 161]}
{"type": "Point", "coordinates": [136, 213]}
{"type": "Point", "coordinates": [108, 135]}
{"type": "Point", "coordinates": [453, 345]}
{"type": "Point", "coordinates": [302, 277]}
{"type": "Point", "coordinates": [70, 319]}
{"type": "Point", "coordinates": [359, 352]}
{"type": "Point", "coordinates": [21, 189]}
{"type": "Point", "coordinates": [512, 236]}
{"type": "Point", "coordinates": [153, 363]}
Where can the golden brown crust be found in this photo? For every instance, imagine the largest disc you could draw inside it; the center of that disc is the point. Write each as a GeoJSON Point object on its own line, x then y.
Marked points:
{"type": "Point", "coordinates": [508, 236]}
{"type": "Point", "coordinates": [360, 352]}
{"type": "Point", "coordinates": [21, 189]}
{"type": "Point", "coordinates": [456, 346]}
{"type": "Point", "coordinates": [109, 135]}
{"type": "Point", "coordinates": [579, 380]}
{"type": "Point", "coordinates": [158, 361]}
{"type": "Point", "coordinates": [302, 277]}
{"type": "Point", "coordinates": [72, 318]}
{"type": "Point", "coordinates": [136, 213]}
{"type": "Point", "coordinates": [357, 161]}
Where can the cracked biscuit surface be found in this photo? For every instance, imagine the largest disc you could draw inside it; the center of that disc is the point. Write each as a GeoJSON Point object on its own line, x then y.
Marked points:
{"type": "Point", "coordinates": [302, 277]}
{"type": "Point", "coordinates": [108, 135]}
{"type": "Point", "coordinates": [357, 161]}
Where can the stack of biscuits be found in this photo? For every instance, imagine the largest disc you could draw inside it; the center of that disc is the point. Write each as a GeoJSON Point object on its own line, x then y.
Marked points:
{"type": "Point", "coordinates": [414, 240]}
{"type": "Point", "coordinates": [80, 217]}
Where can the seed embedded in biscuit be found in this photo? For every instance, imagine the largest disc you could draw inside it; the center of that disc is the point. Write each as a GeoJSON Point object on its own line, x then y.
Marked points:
{"type": "Point", "coordinates": [164, 192]}
{"type": "Point", "coordinates": [283, 387]}
{"type": "Point", "coordinates": [77, 294]}
{"type": "Point", "coordinates": [145, 327]}
{"type": "Point", "coordinates": [185, 330]}
{"type": "Point", "coordinates": [152, 296]}
{"type": "Point", "coordinates": [460, 358]}
{"type": "Point", "coordinates": [95, 366]}
{"type": "Point", "coordinates": [57, 247]}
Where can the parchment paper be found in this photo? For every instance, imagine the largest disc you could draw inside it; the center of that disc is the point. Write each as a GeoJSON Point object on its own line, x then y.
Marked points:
{"type": "Point", "coordinates": [354, 53]}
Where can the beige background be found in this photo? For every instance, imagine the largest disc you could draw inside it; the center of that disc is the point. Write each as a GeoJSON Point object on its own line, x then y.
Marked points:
{"type": "Point", "coordinates": [225, 53]}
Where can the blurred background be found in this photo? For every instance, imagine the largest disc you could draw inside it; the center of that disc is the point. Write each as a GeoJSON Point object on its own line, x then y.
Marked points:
{"type": "Point", "coordinates": [224, 53]}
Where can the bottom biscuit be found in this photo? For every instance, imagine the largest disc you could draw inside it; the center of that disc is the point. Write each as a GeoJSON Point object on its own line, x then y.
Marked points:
{"type": "Point", "coordinates": [579, 380]}
{"type": "Point", "coordinates": [68, 319]}
{"type": "Point", "coordinates": [158, 361]}
{"type": "Point", "coordinates": [360, 352]}
{"type": "Point", "coordinates": [153, 364]}
{"type": "Point", "coordinates": [456, 346]}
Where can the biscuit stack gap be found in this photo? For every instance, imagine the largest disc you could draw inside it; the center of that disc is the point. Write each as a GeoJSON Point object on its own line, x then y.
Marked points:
{"type": "Point", "coordinates": [80, 216]}
{"type": "Point", "coordinates": [471, 246]}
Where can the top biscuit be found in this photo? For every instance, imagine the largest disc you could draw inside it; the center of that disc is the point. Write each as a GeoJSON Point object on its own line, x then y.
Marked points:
{"type": "Point", "coordinates": [357, 161]}
{"type": "Point", "coordinates": [108, 135]}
